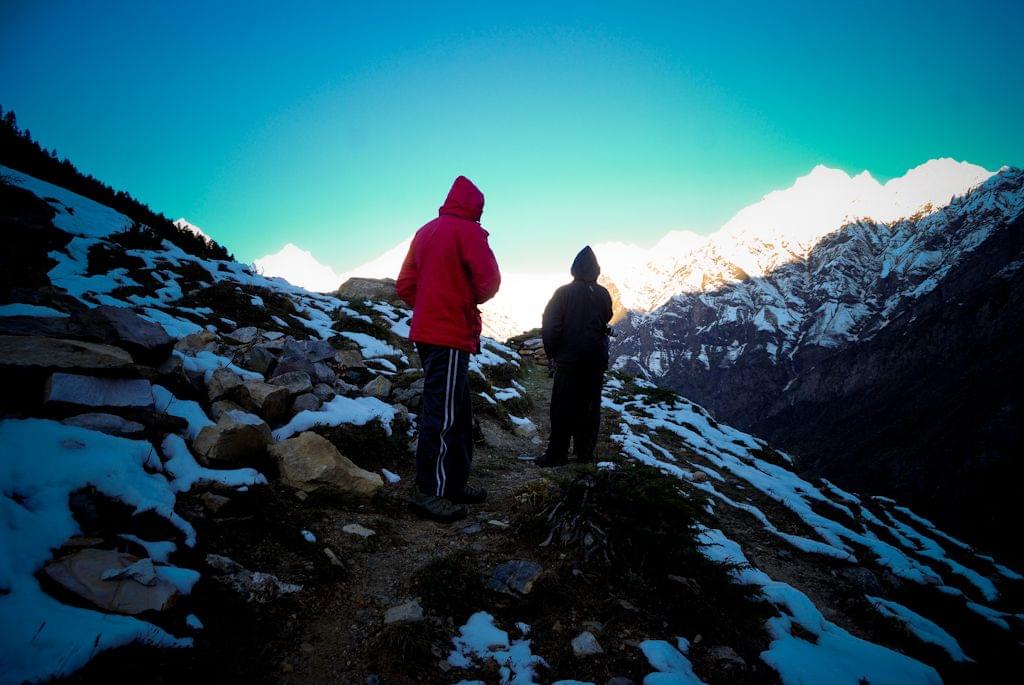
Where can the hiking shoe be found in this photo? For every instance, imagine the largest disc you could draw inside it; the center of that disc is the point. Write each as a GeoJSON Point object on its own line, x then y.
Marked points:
{"type": "Point", "coordinates": [436, 508]}
{"type": "Point", "coordinates": [546, 462]}
{"type": "Point", "coordinates": [470, 495]}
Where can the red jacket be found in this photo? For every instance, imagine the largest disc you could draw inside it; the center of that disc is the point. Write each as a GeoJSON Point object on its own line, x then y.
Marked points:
{"type": "Point", "coordinates": [448, 271]}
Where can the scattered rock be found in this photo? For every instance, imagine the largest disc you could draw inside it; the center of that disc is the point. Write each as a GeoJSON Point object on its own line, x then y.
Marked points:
{"type": "Point", "coordinates": [89, 391]}
{"type": "Point", "coordinates": [243, 335]}
{"type": "Point", "coordinates": [306, 402]}
{"type": "Point", "coordinates": [865, 581]}
{"type": "Point", "coordinates": [237, 436]}
{"type": "Point", "coordinates": [379, 387]}
{"type": "Point", "coordinates": [410, 612]}
{"type": "Point", "coordinates": [254, 586]}
{"type": "Point", "coordinates": [223, 381]}
{"type": "Point", "coordinates": [35, 351]}
{"type": "Point", "coordinates": [585, 644]}
{"type": "Point", "coordinates": [494, 523]}
{"type": "Point", "coordinates": [727, 659]}
{"type": "Point", "coordinates": [82, 573]}
{"type": "Point", "coordinates": [214, 502]}
{"type": "Point", "coordinates": [515, 578]}
{"type": "Point", "coordinates": [349, 359]}
{"type": "Point", "coordinates": [619, 680]}
{"type": "Point", "coordinates": [333, 558]}
{"type": "Point", "coordinates": [324, 392]}
{"type": "Point", "coordinates": [309, 461]}
{"type": "Point", "coordinates": [195, 343]}
{"type": "Point", "coordinates": [219, 408]}
{"type": "Point", "coordinates": [110, 424]}
{"type": "Point", "coordinates": [698, 477]}
{"type": "Point", "coordinates": [296, 382]}
{"type": "Point", "coordinates": [356, 529]}
{"type": "Point", "coordinates": [269, 401]}
{"type": "Point", "coordinates": [125, 328]}
{"type": "Point", "coordinates": [472, 529]}
{"type": "Point", "coordinates": [259, 358]}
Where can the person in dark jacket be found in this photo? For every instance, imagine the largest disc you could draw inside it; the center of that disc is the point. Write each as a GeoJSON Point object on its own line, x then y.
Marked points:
{"type": "Point", "coordinates": [448, 271]}
{"type": "Point", "coordinates": [575, 331]}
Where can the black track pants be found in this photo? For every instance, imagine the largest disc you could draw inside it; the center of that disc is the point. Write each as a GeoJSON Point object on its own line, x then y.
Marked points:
{"type": "Point", "coordinates": [575, 411]}
{"type": "Point", "coordinates": [445, 449]}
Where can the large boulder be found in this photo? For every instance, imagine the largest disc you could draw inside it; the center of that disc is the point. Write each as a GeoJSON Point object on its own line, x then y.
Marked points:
{"type": "Point", "coordinates": [237, 437]}
{"type": "Point", "coordinates": [123, 327]}
{"type": "Point", "coordinates": [309, 462]}
{"type": "Point", "coordinates": [113, 581]}
{"type": "Point", "coordinates": [90, 391]}
{"type": "Point", "coordinates": [368, 289]}
{"type": "Point", "coordinates": [269, 401]}
{"type": "Point", "coordinates": [56, 353]}
{"type": "Point", "coordinates": [297, 382]}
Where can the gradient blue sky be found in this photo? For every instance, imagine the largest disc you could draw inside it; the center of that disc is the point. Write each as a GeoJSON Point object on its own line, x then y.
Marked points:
{"type": "Point", "coordinates": [339, 126]}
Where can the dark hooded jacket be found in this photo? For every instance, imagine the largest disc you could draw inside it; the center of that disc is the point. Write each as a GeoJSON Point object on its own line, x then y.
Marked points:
{"type": "Point", "coordinates": [448, 271]}
{"type": "Point", "coordinates": [575, 325]}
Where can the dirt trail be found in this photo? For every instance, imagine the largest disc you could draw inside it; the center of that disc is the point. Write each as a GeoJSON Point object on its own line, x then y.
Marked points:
{"type": "Point", "coordinates": [332, 644]}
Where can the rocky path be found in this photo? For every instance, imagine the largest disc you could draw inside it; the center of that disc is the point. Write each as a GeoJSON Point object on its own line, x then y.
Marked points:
{"type": "Point", "coordinates": [332, 645]}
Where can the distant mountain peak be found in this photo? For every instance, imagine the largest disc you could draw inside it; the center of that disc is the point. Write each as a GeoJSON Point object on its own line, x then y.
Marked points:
{"type": "Point", "coordinates": [299, 267]}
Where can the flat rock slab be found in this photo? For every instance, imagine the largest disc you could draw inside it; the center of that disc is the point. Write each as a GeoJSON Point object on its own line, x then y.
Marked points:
{"type": "Point", "coordinates": [356, 529]}
{"type": "Point", "coordinates": [110, 424]}
{"type": "Point", "coordinates": [123, 326]}
{"type": "Point", "coordinates": [90, 391]}
{"type": "Point", "coordinates": [57, 353]}
{"type": "Point", "coordinates": [410, 612]}
{"type": "Point", "coordinates": [111, 581]}
{"type": "Point", "coordinates": [515, 578]}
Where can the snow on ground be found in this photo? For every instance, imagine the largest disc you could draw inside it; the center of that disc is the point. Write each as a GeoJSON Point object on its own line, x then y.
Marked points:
{"type": "Point", "coordinates": [743, 474]}
{"type": "Point", "coordinates": [41, 463]}
{"type": "Point", "coordinates": [481, 640]}
{"type": "Point", "coordinates": [357, 411]}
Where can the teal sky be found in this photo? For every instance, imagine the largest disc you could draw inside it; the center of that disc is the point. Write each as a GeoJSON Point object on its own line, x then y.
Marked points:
{"type": "Point", "coordinates": [339, 126]}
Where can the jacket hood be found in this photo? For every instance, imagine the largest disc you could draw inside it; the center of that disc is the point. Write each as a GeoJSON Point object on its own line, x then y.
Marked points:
{"type": "Point", "coordinates": [464, 200]}
{"type": "Point", "coordinates": [585, 266]}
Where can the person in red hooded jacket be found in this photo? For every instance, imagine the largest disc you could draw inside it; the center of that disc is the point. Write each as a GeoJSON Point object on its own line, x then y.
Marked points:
{"type": "Point", "coordinates": [448, 271]}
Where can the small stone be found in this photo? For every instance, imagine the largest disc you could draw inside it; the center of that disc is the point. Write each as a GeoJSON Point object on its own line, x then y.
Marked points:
{"type": "Point", "coordinates": [515, 577]}
{"type": "Point", "coordinates": [410, 612]}
{"type": "Point", "coordinates": [494, 523]}
{"type": "Point", "coordinates": [358, 530]}
{"type": "Point", "coordinates": [585, 644]}
{"type": "Point", "coordinates": [333, 558]}
{"type": "Point", "coordinates": [472, 529]}
{"type": "Point", "coordinates": [727, 658]}
{"type": "Point", "coordinates": [619, 680]}
{"type": "Point", "coordinates": [243, 335]}
{"type": "Point", "coordinates": [306, 402]}
{"type": "Point", "coordinates": [379, 387]}
{"type": "Point", "coordinates": [698, 477]}
{"type": "Point", "coordinates": [254, 586]}
{"type": "Point", "coordinates": [297, 382]}
{"type": "Point", "coordinates": [214, 502]}
{"type": "Point", "coordinates": [194, 343]}
{"type": "Point", "coordinates": [223, 382]}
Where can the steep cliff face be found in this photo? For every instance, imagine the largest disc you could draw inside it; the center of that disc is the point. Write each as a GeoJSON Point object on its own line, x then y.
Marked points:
{"type": "Point", "coordinates": [851, 349]}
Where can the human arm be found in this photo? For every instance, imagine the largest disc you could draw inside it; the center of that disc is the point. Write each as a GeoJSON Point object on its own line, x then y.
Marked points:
{"type": "Point", "coordinates": [482, 267]}
{"type": "Point", "coordinates": [405, 286]}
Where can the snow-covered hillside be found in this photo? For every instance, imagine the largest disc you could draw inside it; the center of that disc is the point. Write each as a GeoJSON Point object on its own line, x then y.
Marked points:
{"type": "Point", "coordinates": [173, 410]}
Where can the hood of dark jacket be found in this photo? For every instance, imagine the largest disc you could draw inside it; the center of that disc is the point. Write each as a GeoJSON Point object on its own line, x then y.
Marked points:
{"type": "Point", "coordinates": [585, 266]}
{"type": "Point", "coordinates": [464, 200]}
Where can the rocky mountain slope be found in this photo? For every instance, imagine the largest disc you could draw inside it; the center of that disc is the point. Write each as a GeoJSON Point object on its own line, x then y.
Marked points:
{"type": "Point", "coordinates": [849, 349]}
{"type": "Point", "coordinates": [204, 471]}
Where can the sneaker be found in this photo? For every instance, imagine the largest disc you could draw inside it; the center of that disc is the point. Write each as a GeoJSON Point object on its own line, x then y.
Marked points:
{"type": "Point", "coordinates": [546, 462]}
{"type": "Point", "coordinates": [470, 495]}
{"type": "Point", "coordinates": [436, 508]}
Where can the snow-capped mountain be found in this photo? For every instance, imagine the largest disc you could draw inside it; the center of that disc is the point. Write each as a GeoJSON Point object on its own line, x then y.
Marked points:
{"type": "Point", "coordinates": [299, 267]}
{"type": "Point", "coordinates": [784, 320]}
